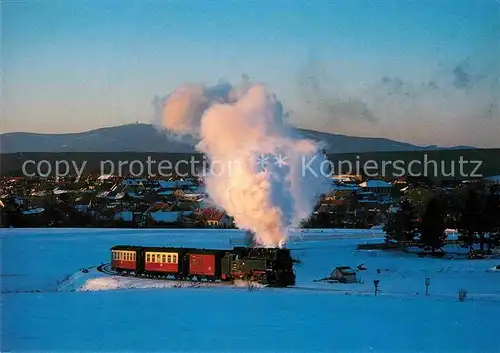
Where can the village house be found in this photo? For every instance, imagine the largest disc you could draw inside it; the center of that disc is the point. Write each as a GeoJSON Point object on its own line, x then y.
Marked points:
{"type": "Point", "coordinates": [125, 216]}
{"type": "Point", "coordinates": [350, 179]}
{"type": "Point", "coordinates": [376, 192]}
{"type": "Point", "coordinates": [341, 193]}
{"type": "Point", "coordinates": [160, 207]}
{"type": "Point", "coordinates": [163, 213]}
{"type": "Point", "coordinates": [377, 186]}
{"type": "Point", "coordinates": [493, 179]}
{"type": "Point", "coordinates": [213, 217]}
{"type": "Point", "coordinates": [106, 179]}
{"type": "Point", "coordinates": [192, 197]}
{"type": "Point", "coordinates": [164, 195]}
{"type": "Point", "coordinates": [343, 274]}
{"type": "Point", "coordinates": [167, 217]}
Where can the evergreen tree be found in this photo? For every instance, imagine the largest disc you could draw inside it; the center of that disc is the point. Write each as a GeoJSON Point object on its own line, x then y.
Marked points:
{"type": "Point", "coordinates": [11, 214]}
{"type": "Point", "coordinates": [401, 225]}
{"type": "Point", "coordinates": [491, 219]}
{"type": "Point", "coordinates": [432, 228]}
{"type": "Point", "coordinates": [470, 219]}
{"type": "Point", "coordinates": [391, 227]}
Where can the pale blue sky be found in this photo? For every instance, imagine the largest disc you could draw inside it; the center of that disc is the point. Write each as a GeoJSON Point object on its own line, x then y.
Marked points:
{"type": "Point", "coordinates": [419, 71]}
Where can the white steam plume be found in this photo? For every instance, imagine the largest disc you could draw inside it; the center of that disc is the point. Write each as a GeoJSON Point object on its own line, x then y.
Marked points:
{"type": "Point", "coordinates": [262, 173]}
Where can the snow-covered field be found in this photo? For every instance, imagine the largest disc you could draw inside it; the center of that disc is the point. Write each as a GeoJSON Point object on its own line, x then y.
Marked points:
{"type": "Point", "coordinates": [48, 304]}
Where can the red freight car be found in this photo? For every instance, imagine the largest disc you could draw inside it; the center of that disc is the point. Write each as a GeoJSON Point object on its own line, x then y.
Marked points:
{"type": "Point", "coordinates": [202, 264]}
{"type": "Point", "coordinates": [123, 259]}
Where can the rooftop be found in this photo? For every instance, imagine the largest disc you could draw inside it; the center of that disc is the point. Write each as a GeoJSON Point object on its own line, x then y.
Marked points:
{"type": "Point", "coordinates": [375, 184]}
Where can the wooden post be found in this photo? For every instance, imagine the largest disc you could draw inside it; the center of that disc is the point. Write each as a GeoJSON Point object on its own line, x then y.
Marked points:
{"type": "Point", "coordinates": [427, 283]}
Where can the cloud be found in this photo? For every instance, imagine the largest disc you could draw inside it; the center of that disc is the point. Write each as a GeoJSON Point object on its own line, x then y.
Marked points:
{"type": "Point", "coordinates": [320, 100]}
{"type": "Point", "coordinates": [462, 78]}
{"type": "Point", "coordinates": [458, 104]}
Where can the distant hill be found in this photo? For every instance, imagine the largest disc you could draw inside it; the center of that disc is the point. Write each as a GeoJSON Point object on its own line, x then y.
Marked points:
{"type": "Point", "coordinates": [145, 138]}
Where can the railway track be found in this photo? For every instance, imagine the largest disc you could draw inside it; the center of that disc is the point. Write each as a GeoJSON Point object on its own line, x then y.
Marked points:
{"type": "Point", "coordinates": [106, 269]}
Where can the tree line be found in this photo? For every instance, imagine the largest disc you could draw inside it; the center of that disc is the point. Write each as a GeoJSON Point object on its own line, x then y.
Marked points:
{"type": "Point", "coordinates": [473, 210]}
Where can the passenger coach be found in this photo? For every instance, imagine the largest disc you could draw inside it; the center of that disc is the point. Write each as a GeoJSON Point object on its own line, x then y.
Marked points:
{"type": "Point", "coordinates": [124, 258]}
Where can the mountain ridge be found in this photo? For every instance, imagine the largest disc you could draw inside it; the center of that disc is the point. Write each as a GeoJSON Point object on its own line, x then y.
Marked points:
{"type": "Point", "coordinates": [141, 137]}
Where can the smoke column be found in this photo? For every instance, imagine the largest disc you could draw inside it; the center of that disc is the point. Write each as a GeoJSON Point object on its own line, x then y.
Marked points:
{"type": "Point", "coordinates": [258, 163]}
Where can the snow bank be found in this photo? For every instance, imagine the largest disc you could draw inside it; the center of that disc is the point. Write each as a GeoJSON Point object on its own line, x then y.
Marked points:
{"type": "Point", "coordinates": [119, 283]}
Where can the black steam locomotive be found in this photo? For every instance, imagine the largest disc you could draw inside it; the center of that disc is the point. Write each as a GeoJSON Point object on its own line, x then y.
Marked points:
{"type": "Point", "coordinates": [269, 266]}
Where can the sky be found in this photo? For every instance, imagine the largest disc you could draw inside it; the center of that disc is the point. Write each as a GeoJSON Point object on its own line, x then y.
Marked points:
{"type": "Point", "coordinates": [424, 72]}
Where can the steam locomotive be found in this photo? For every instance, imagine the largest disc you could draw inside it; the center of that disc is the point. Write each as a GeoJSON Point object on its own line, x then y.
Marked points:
{"type": "Point", "coordinates": [269, 266]}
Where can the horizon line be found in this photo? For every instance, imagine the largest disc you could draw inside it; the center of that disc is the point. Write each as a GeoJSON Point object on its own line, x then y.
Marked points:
{"type": "Point", "coordinates": [297, 127]}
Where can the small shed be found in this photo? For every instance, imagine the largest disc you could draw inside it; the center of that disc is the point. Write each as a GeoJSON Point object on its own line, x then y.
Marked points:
{"type": "Point", "coordinates": [343, 274]}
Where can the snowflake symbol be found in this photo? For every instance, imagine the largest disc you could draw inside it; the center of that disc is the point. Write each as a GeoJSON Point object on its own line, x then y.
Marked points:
{"type": "Point", "coordinates": [280, 160]}
{"type": "Point", "coordinates": [262, 161]}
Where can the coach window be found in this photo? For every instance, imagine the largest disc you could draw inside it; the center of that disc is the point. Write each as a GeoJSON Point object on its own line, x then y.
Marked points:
{"type": "Point", "coordinates": [147, 258]}
{"type": "Point", "coordinates": [174, 259]}
{"type": "Point", "coordinates": [153, 258]}
{"type": "Point", "coordinates": [133, 256]}
{"type": "Point", "coordinates": [163, 258]}
{"type": "Point", "coordinates": [169, 259]}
